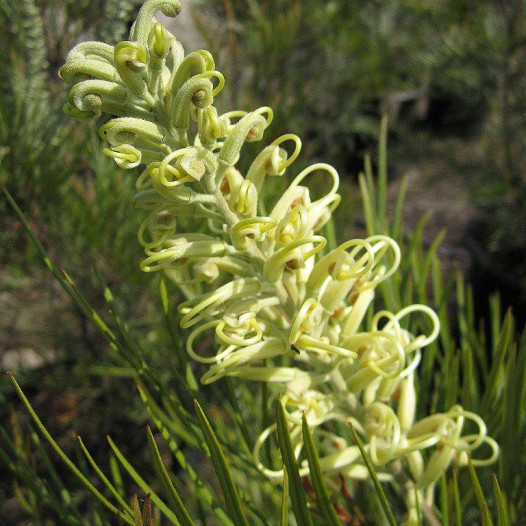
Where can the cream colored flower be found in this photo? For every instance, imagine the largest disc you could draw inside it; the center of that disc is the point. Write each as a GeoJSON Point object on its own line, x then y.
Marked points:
{"type": "Point", "coordinates": [264, 293]}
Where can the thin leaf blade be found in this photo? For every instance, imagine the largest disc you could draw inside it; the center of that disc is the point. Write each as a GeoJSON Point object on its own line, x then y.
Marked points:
{"type": "Point", "coordinates": [297, 495]}
{"type": "Point", "coordinates": [232, 499]}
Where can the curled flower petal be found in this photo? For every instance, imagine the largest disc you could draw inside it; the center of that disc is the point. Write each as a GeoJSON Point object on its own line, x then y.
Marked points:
{"type": "Point", "coordinates": [125, 155]}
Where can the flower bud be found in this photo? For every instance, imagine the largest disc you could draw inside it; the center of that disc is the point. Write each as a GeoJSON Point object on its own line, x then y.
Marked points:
{"type": "Point", "coordinates": [159, 41]}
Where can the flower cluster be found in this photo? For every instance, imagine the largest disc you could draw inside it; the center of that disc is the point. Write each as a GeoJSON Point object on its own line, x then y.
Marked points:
{"type": "Point", "coordinates": [259, 280]}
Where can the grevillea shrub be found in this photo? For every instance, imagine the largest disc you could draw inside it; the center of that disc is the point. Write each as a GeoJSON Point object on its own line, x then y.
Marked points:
{"type": "Point", "coordinates": [373, 400]}
{"type": "Point", "coordinates": [266, 300]}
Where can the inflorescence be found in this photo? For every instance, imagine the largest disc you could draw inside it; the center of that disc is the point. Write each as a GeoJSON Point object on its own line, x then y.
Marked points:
{"type": "Point", "coordinates": [261, 284]}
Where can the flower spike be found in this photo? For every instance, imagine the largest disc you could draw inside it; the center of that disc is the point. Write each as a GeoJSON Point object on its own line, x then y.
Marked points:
{"type": "Point", "coordinates": [263, 291]}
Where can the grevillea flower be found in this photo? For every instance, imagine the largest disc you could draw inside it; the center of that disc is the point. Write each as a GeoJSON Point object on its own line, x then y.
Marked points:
{"type": "Point", "coordinates": [259, 280]}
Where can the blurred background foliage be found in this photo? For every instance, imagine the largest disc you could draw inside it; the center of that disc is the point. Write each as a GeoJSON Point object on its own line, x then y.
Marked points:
{"type": "Point", "coordinates": [451, 75]}
{"type": "Point", "coordinates": [58, 175]}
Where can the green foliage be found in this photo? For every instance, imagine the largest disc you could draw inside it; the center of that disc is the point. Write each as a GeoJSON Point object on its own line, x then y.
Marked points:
{"type": "Point", "coordinates": [318, 481]}
{"type": "Point", "coordinates": [32, 150]}
{"type": "Point", "coordinates": [46, 161]}
{"type": "Point", "coordinates": [117, 16]}
{"type": "Point", "coordinates": [297, 495]}
{"type": "Point", "coordinates": [374, 477]}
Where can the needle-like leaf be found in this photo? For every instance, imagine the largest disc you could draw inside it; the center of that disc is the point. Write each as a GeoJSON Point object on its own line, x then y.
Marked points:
{"type": "Point", "coordinates": [232, 500]}
{"type": "Point", "coordinates": [372, 472]}
{"type": "Point", "coordinates": [297, 494]}
{"type": "Point", "coordinates": [169, 490]}
{"type": "Point", "coordinates": [87, 484]}
{"type": "Point", "coordinates": [318, 481]}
